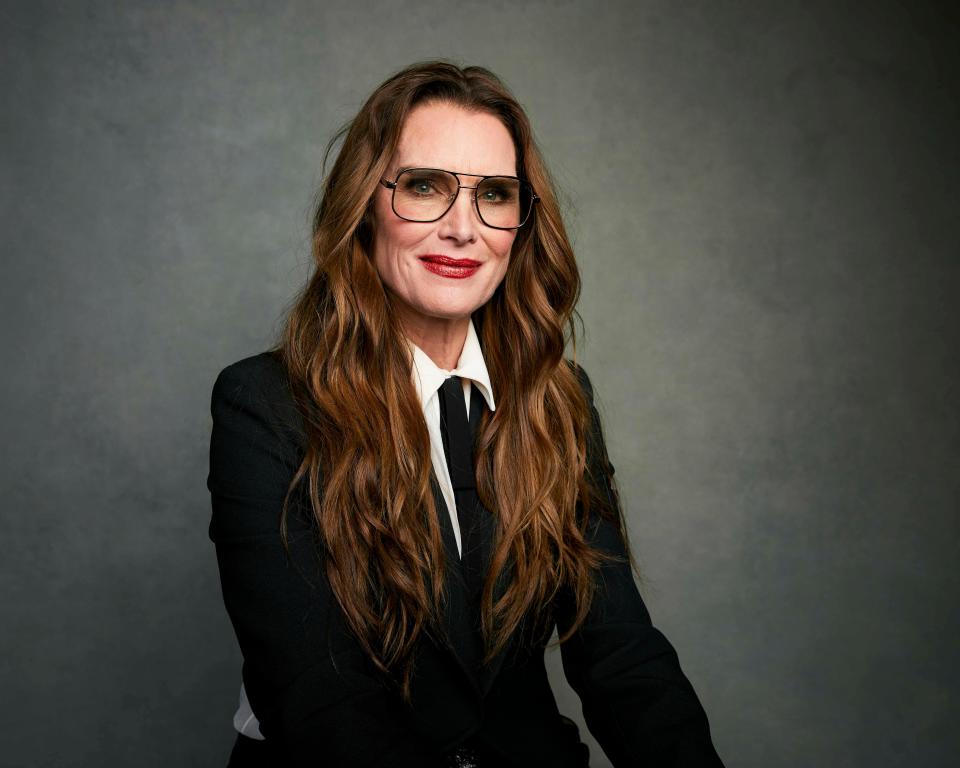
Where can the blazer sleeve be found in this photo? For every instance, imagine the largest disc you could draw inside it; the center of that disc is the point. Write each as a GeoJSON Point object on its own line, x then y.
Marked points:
{"type": "Point", "coordinates": [309, 683]}
{"type": "Point", "coordinates": [636, 700]}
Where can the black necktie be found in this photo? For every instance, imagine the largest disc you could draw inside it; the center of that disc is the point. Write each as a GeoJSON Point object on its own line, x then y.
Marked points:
{"type": "Point", "coordinates": [458, 429]}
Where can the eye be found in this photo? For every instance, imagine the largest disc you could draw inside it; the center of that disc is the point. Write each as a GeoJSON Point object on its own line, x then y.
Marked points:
{"type": "Point", "coordinates": [420, 186]}
{"type": "Point", "coordinates": [427, 184]}
{"type": "Point", "coordinates": [498, 193]}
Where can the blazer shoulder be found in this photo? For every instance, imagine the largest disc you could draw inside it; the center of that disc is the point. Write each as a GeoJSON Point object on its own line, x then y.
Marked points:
{"type": "Point", "coordinates": [256, 445]}
{"type": "Point", "coordinates": [263, 372]}
{"type": "Point", "coordinates": [259, 385]}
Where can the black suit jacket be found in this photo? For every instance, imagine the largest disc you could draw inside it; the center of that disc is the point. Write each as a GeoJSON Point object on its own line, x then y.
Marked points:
{"type": "Point", "coordinates": [318, 697]}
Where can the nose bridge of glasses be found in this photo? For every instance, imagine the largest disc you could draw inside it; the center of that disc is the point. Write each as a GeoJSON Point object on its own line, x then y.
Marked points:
{"type": "Point", "coordinates": [460, 185]}
{"type": "Point", "coordinates": [468, 203]}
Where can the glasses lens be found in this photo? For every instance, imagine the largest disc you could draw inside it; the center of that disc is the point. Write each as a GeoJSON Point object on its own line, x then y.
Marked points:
{"type": "Point", "coordinates": [503, 201]}
{"type": "Point", "coordinates": [423, 194]}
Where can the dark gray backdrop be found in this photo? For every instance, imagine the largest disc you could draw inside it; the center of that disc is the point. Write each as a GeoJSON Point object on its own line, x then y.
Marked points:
{"type": "Point", "coordinates": [763, 197]}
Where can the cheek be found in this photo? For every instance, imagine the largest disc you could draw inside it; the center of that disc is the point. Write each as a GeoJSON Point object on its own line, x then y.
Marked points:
{"type": "Point", "coordinates": [391, 239]}
{"type": "Point", "coordinates": [500, 242]}
{"type": "Point", "coordinates": [503, 246]}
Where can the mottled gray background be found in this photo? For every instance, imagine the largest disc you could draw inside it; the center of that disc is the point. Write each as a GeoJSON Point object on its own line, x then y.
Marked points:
{"type": "Point", "coordinates": [764, 200]}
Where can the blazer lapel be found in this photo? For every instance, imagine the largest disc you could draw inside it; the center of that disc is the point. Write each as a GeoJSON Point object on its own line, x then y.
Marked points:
{"type": "Point", "coordinates": [457, 616]}
{"type": "Point", "coordinates": [460, 616]}
{"type": "Point", "coordinates": [490, 670]}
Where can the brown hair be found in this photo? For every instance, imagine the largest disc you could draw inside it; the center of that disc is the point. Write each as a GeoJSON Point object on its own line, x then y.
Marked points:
{"type": "Point", "coordinates": [367, 463]}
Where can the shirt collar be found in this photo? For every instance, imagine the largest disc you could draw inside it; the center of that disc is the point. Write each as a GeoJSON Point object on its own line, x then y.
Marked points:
{"type": "Point", "coordinates": [428, 377]}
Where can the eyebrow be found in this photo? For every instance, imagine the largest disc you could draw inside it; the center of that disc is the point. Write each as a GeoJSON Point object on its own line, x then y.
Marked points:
{"type": "Point", "coordinates": [411, 166]}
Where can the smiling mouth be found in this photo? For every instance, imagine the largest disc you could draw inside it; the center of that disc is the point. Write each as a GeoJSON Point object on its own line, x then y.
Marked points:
{"type": "Point", "coordinates": [444, 266]}
{"type": "Point", "coordinates": [446, 261]}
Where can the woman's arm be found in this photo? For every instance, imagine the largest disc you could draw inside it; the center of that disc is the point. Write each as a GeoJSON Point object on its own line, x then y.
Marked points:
{"type": "Point", "coordinates": [636, 700]}
{"type": "Point", "coordinates": [309, 683]}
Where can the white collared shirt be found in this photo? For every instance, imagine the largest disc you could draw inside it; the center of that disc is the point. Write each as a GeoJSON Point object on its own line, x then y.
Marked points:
{"type": "Point", "coordinates": [427, 378]}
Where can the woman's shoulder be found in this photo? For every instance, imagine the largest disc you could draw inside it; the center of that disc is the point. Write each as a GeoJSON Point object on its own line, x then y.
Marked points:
{"type": "Point", "coordinates": [256, 445]}
{"type": "Point", "coordinates": [263, 372]}
{"type": "Point", "coordinates": [259, 386]}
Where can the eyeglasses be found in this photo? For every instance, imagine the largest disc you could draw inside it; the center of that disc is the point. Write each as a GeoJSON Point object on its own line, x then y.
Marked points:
{"type": "Point", "coordinates": [426, 194]}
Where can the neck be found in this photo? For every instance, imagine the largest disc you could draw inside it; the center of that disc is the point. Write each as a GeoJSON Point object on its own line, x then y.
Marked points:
{"type": "Point", "coordinates": [440, 338]}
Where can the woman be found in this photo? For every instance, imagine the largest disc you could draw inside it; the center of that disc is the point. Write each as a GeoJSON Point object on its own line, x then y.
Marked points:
{"type": "Point", "coordinates": [412, 491]}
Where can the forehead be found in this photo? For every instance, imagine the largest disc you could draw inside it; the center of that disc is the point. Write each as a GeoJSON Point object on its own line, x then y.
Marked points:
{"type": "Point", "coordinates": [437, 135]}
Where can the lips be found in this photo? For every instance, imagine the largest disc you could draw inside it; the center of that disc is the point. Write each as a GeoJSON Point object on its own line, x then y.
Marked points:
{"type": "Point", "coordinates": [444, 266]}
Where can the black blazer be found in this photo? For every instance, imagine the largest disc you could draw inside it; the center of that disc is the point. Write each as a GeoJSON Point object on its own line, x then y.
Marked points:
{"type": "Point", "coordinates": [318, 697]}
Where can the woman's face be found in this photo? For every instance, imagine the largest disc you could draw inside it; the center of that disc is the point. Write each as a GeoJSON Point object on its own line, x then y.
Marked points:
{"type": "Point", "coordinates": [409, 256]}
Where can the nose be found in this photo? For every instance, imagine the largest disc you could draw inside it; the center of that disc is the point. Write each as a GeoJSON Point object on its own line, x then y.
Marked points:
{"type": "Point", "coordinates": [461, 223]}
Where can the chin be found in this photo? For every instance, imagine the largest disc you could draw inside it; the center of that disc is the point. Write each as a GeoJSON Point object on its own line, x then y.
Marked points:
{"type": "Point", "coordinates": [452, 309]}
{"type": "Point", "coordinates": [451, 313]}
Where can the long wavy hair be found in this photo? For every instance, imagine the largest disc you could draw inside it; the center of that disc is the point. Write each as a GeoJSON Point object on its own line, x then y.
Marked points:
{"type": "Point", "coordinates": [367, 463]}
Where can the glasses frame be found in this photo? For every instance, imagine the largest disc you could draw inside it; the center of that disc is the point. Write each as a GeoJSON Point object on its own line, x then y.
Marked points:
{"type": "Point", "coordinates": [392, 186]}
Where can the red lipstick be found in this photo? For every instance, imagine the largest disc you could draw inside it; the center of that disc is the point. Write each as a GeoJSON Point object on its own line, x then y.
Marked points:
{"type": "Point", "coordinates": [448, 267]}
